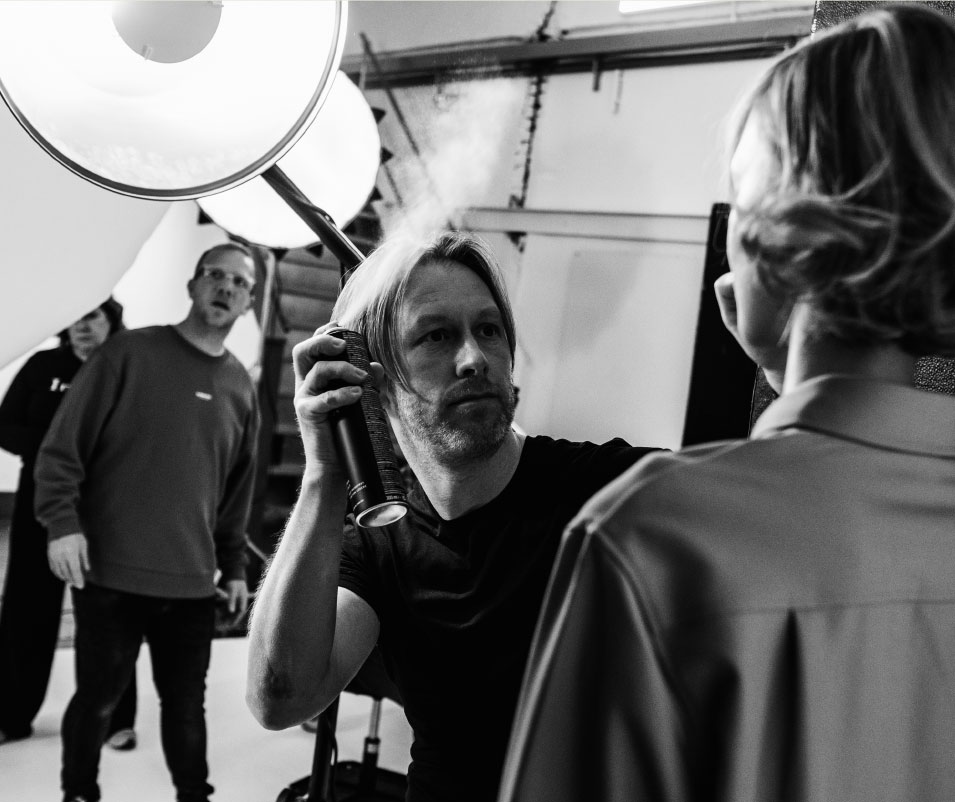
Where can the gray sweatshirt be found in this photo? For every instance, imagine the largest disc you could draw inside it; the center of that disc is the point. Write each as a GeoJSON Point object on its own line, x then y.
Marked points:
{"type": "Point", "coordinates": [151, 455]}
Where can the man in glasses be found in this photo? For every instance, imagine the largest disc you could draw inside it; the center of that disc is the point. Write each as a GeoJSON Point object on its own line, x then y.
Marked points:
{"type": "Point", "coordinates": [144, 484]}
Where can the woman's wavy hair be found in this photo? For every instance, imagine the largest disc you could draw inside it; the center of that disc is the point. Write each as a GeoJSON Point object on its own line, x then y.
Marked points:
{"type": "Point", "coordinates": [113, 310]}
{"type": "Point", "coordinates": [374, 293]}
{"type": "Point", "coordinates": [861, 222]}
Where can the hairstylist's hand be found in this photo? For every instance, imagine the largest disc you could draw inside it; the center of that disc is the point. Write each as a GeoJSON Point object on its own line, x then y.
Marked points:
{"type": "Point", "coordinates": [69, 559]}
{"type": "Point", "coordinates": [770, 352]}
{"type": "Point", "coordinates": [323, 382]}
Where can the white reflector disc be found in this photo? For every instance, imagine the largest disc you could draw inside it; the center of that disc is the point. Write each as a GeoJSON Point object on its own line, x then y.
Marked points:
{"type": "Point", "coordinates": [335, 164]}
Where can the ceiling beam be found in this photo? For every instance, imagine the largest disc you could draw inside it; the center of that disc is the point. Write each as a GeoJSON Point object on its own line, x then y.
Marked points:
{"type": "Point", "coordinates": [744, 38]}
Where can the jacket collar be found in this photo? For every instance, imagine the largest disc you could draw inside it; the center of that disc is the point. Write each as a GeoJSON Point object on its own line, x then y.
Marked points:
{"type": "Point", "coordinates": [879, 413]}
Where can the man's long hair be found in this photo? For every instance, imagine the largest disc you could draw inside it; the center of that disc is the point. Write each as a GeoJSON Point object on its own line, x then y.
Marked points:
{"type": "Point", "coordinates": [372, 297]}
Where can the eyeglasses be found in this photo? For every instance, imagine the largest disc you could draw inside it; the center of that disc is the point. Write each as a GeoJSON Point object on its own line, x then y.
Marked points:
{"type": "Point", "coordinates": [218, 275]}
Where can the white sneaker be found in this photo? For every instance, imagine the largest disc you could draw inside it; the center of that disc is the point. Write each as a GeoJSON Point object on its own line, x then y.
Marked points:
{"type": "Point", "coordinates": [122, 740]}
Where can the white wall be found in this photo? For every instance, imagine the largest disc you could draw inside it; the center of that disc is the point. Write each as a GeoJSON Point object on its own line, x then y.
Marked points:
{"type": "Point", "coordinates": [648, 141]}
{"type": "Point", "coordinates": [609, 326]}
{"type": "Point", "coordinates": [606, 327]}
{"type": "Point", "coordinates": [606, 334]}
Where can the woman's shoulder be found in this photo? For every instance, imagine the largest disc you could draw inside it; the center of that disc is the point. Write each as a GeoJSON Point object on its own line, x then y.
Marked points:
{"type": "Point", "coordinates": [49, 358]}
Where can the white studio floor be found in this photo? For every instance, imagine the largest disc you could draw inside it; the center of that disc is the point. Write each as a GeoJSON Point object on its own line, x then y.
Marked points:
{"type": "Point", "coordinates": [246, 762]}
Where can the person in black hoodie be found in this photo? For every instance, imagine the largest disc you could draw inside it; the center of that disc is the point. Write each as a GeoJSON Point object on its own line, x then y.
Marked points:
{"type": "Point", "coordinates": [33, 596]}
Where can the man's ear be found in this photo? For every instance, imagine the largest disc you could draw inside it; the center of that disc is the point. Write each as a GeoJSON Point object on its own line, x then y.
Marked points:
{"type": "Point", "coordinates": [384, 393]}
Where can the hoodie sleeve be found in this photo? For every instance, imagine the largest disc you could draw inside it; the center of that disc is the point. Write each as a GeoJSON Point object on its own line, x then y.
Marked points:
{"type": "Point", "coordinates": [69, 444]}
{"type": "Point", "coordinates": [17, 435]}
{"type": "Point", "coordinates": [233, 517]}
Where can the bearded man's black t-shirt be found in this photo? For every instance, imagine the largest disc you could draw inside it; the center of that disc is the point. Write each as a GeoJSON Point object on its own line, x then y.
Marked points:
{"type": "Point", "coordinates": [458, 601]}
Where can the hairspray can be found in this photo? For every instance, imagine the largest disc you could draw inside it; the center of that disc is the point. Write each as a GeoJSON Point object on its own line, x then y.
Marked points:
{"type": "Point", "coordinates": [375, 490]}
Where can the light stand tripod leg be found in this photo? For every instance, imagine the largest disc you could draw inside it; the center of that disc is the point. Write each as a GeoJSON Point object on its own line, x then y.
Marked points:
{"type": "Point", "coordinates": [320, 784]}
{"type": "Point", "coordinates": [369, 758]}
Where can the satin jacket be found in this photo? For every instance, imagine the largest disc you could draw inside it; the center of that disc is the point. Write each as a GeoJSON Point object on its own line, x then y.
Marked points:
{"type": "Point", "coordinates": [769, 619]}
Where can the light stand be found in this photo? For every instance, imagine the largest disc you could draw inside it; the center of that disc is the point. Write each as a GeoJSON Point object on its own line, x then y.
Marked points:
{"type": "Point", "coordinates": [320, 780]}
{"type": "Point", "coordinates": [315, 218]}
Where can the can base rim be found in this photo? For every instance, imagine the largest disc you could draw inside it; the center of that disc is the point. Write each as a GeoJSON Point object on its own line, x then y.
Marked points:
{"type": "Point", "coordinates": [381, 514]}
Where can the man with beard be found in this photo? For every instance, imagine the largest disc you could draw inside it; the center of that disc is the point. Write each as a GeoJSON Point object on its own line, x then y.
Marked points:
{"type": "Point", "coordinates": [451, 592]}
{"type": "Point", "coordinates": [144, 483]}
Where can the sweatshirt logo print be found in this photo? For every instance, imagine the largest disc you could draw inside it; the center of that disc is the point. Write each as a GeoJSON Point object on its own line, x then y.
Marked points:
{"type": "Point", "coordinates": [203, 396]}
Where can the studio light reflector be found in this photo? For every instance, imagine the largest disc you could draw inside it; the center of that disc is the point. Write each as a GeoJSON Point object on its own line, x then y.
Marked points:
{"type": "Point", "coordinates": [335, 164]}
{"type": "Point", "coordinates": [168, 99]}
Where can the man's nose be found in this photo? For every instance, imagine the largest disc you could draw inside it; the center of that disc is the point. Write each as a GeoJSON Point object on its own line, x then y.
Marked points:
{"type": "Point", "coordinates": [472, 361]}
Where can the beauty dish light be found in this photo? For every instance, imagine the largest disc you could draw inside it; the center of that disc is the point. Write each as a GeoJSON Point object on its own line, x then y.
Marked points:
{"type": "Point", "coordinates": [168, 99]}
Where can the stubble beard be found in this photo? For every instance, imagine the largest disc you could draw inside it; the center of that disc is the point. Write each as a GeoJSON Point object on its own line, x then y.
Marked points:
{"type": "Point", "coordinates": [217, 319]}
{"type": "Point", "coordinates": [453, 436]}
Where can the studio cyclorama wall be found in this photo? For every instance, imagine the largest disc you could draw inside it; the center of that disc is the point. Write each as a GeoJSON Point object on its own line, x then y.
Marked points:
{"type": "Point", "coordinates": [66, 243]}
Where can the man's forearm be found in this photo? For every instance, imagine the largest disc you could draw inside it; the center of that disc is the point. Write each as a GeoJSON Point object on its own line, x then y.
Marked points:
{"type": "Point", "coordinates": [293, 623]}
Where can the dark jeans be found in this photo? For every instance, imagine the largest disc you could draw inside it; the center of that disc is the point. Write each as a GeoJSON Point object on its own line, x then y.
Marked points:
{"type": "Point", "coordinates": [124, 716]}
{"type": "Point", "coordinates": [30, 624]}
{"type": "Point", "coordinates": [110, 626]}
{"type": "Point", "coordinates": [30, 620]}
